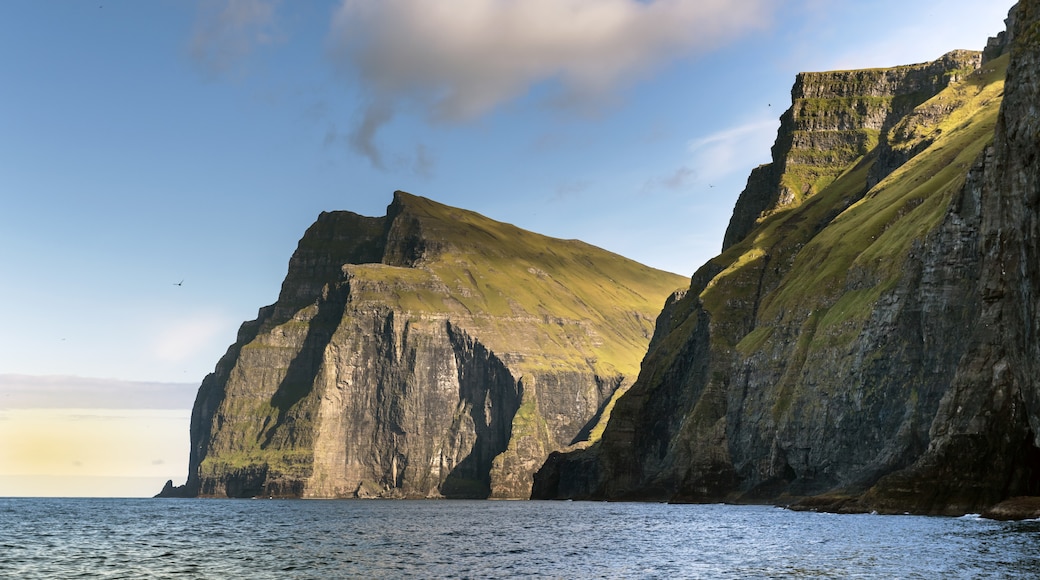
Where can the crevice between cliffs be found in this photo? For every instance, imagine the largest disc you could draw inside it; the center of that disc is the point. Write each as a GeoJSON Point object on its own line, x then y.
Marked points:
{"type": "Point", "coordinates": [490, 397]}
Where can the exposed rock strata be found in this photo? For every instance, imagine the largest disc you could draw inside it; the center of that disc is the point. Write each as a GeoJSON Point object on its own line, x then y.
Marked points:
{"type": "Point", "coordinates": [983, 444]}
{"type": "Point", "coordinates": [835, 118]}
{"type": "Point", "coordinates": [428, 353]}
{"type": "Point", "coordinates": [873, 346]}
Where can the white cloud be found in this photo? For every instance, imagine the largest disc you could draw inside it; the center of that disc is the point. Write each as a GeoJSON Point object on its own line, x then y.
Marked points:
{"type": "Point", "coordinates": [182, 339]}
{"type": "Point", "coordinates": [459, 60]}
{"type": "Point", "coordinates": [739, 148]}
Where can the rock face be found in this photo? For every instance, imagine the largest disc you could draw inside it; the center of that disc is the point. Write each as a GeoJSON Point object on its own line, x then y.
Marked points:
{"type": "Point", "coordinates": [868, 339]}
{"type": "Point", "coordinates": [836, 118]}
{"type": "Point", "coordinates": [429, 353]}
{"type": "Point", "coordinates": [983, 444]}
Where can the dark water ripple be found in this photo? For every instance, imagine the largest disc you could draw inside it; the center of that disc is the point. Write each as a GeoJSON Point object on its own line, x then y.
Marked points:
{"type": "Point", "coordinates": [144, 538]}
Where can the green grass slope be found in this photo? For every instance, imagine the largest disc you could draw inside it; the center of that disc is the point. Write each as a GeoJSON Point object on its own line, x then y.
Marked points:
{"type": "Point", "coordinates": [569, 321]}
{"type": "Point", "coordinates": [803, 359]}
{"type": "Point", "coordinates": [524, 291]}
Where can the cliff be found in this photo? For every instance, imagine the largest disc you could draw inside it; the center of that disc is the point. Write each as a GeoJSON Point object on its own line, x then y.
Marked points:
{"type": "Point", "coordinates": [432, 352]}
{"type": "Point", "coordinates": [868, 338]}
{"type": "Point", "coordinates": [836, 118]}
{"type": "Point", "coordinates": [984, 445]}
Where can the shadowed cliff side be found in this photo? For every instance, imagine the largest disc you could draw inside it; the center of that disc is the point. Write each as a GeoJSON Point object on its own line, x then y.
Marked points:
{"type": "Point", "coordinates": [432, 352]}
{"type": "Point", "coordinates": [814, 357]}
{"type": "Point", "coordinates": [984, 446]}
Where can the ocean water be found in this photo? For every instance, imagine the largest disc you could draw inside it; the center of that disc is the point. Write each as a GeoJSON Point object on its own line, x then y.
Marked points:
{"type": "Point", "coordinates": [186, 538]}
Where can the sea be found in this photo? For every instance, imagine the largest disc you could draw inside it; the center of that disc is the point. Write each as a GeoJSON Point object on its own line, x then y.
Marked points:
{"type": "Point", "coordinates": [207, 538]}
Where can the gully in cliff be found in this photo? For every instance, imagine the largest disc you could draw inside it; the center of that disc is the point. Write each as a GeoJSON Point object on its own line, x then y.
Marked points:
{"type": "Point", "coordinates": [867, 339]}
{"type": "Point", "coordinates": [432, 352]}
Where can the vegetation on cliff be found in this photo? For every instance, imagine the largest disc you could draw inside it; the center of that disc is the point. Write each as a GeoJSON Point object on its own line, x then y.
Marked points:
{"type": "Point", "coordinates": [431, 352]}
{"type": "Point", "coordinates": [826, 353]}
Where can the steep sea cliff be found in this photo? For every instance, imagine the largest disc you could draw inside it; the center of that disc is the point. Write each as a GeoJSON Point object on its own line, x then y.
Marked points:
{"type": "Point", "coordinates": [866, 341]}
{"type": "Point", "coordinates": [432, 352]}
{"type": "Point", "coordinates": [868, 338]}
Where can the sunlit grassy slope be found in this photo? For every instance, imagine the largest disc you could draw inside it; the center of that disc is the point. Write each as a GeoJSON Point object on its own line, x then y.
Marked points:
{"type": "Point", "coordinates": [552, 300]}
{"type": "Point", "coordinates": [836, 267]}
{"type": "Point", "coordinates": [553, 311]}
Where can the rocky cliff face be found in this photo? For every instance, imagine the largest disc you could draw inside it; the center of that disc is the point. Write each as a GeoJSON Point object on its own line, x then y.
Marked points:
{"type": "Point", "coordinates": [428, 353]}
{"type": "Point", "coordinates": [983, 444]}
{"type": "Point", "coordinates": [872, 346]}
{"type": "Point", "coordinates": [836, 118]}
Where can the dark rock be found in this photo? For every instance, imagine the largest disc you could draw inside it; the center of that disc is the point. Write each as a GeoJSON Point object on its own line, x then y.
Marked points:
{"type": "Point", "coordinates": [170, 490]}
{"type": "Point", "coordinates": [428, 353]}
{"type": "Point", "coordinates": [983, 445]}
{"type": "Point", "coordinates": [1016, 508]}
{"type": "Point", "coordinates": [868, 343]}
{"type": "Point", "coordinates": [999, 45]}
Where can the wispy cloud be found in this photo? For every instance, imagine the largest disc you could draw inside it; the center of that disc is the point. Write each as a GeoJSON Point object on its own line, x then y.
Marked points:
{"type": "Point", "coordinates": [425, 163]}
{"type": "Point", "coordinates": [458, 60]}
{"type": "Point", "coordinates": [738, 148]}
{"type": "Point", "coordinates": [421, 162]}
{"type": "Point", "coordinates": [571, 188]}
{"type": "Point", "coordinates": [363, 138]}
{"type": "Point", "coordinates": [682, 178]}
{"type": "Point", "coordinates": [718, 156]}
{"type": "Point", "coordinates": [227, 31]}
{"type": "Point", "coordinates": [52, 391]}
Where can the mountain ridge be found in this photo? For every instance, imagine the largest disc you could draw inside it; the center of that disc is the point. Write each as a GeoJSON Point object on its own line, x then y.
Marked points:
{"type": "Point", "coordinates": [432, 352]}
{"type": "Point", "coordinates": [811, 363]}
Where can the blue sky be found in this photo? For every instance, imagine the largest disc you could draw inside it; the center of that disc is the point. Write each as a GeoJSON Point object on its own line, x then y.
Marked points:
{"type": "Point", "coordinates": [143, 144]}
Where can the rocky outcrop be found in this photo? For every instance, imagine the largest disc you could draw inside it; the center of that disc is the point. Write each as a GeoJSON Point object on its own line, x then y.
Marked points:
{"type": "Point", "coordinates": [1016, 508]}
{"type": "Point", "coordinates": [1000, 44]}
{"type": "Point", "coordinates": [871, 347]}
{"type": "Point", "coordinates": [428, 353]}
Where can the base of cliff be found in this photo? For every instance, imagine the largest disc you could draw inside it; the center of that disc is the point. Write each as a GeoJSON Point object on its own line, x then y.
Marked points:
{"type": "Point", "coordinates": [1013, 509]}
{"type": "Point", "coordinates": [834, 504]}
{"type": "Point", "coordinates": [1016, 508]}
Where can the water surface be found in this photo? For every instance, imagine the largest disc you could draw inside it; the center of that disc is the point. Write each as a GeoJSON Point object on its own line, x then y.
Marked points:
{"type": "Point", "coordinates": [188, 538]}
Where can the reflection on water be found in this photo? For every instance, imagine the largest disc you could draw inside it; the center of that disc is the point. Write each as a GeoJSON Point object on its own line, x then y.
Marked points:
{"type": "Point", "coordinates": [120, 538]}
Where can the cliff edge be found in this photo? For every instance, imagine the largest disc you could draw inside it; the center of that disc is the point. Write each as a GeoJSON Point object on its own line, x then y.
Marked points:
{"type": "Point", "coordinates": [868, 338]}
{"type": "Point", "coordinates": [431, 352]}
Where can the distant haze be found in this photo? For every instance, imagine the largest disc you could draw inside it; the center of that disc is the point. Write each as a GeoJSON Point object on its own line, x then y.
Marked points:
{"type": "Point", "coordinates": [159, 162]}
{"type": "Point", "coordinates": [35, 392]}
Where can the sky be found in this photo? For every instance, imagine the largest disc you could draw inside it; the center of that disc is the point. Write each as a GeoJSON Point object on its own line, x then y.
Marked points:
{"type": "Point", "coordinates": [160, 160]}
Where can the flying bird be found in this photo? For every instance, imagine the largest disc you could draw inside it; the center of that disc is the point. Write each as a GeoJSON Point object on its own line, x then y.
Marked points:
{"type": "Point", "coordinates": [181, 283]}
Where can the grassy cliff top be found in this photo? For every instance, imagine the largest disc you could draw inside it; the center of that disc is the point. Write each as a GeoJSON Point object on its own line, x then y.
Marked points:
{"type": "Point", "coordinates": [838, 260]}
{"type": "Point", "coordinates": [548, 302]}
